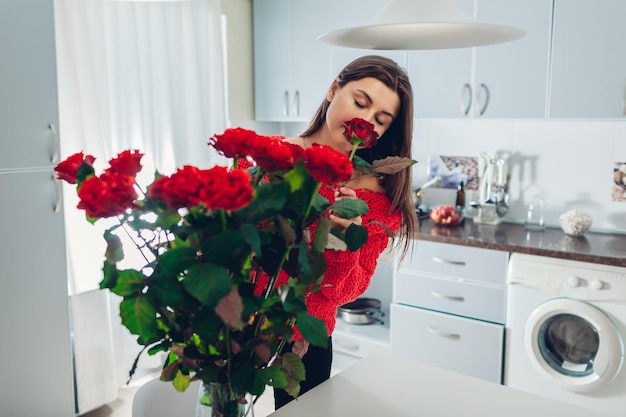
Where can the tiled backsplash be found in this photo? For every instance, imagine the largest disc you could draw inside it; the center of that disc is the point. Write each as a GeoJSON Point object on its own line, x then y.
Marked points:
{"type": "Point", "coordinates": [568, 162]}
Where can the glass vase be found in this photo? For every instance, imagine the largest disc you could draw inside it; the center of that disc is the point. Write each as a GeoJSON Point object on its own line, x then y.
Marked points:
{"type": "Point", "coordinates": [219, 400]}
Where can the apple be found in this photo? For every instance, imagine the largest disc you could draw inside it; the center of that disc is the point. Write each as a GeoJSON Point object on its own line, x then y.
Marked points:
{"type": "Point", "coordinates": [444, 215]}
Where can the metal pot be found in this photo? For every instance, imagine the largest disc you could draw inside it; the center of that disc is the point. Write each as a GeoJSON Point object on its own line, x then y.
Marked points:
{"type": "Point", "coordinates": [361, 311]}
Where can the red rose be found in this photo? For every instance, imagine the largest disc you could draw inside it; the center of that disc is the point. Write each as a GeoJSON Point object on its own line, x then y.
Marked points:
{"type": "Point", "coordinates": [326, 165]}
{"type": "Point", "coordinates": [180, 190]}
{"type": "Point", "coordinates": [234, 142]}
{"type": "Point", "coordinates": [68, 170]}
{"type": "Point", "coordinates": [224, 189]}
{"type": "Point", "coordinates": [111, 194]}
{"type": "Point", "coordinates": [272, 154]}
{"type": "Point", "coordinates": [127, 163]}
{"type": "Point", "coordinates": [361, 132]}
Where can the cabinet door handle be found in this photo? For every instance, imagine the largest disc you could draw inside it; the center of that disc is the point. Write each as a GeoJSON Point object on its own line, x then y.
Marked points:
{"type": "Point", "coordinates": [466, 99]}
{"type": "Point", "coordinates": [286, 103]}
{"type": "Point", "coordinates": [296, 102]}
{"type": "Point", "coordinates": [57, 188]}
{"type": "Point", "coordinates": [448, 297]}
{"type": "Point", "coordinates": [447, 261]}
{"type": "Point", "coordinates": [624, 100]}
{"type": "Point", "coordinates": [447, 335]}
{"type": "Point", "coordinates": [55, 143]}
{"type": "Point", "coordinates": [483, 87]}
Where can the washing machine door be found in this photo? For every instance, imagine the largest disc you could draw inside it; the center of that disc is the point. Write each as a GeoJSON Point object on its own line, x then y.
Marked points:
{"type": "Point", "coordinates": [573, 344]}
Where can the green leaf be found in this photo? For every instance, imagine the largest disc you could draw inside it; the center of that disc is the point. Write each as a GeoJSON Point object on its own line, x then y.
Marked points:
{"type": "Point", "coordinates": [242, 378]}
{"type": "Point", "coordinates": [356, 236]}
{"type": "Point", "coordinates": [207, 325]}
{"type": "Point", "coordinates": [312, 329]}
{"type": "Point", "coordinates": [166, 289]}
{"type": "Point", "coordinates": [181, 381]}
{"type": "Point", "coordinates": [227, 248]}
{"type": "Point", "coordinates": [176, 260]}
{"type": "Point", "coordinates": [274, 377]}
{"type": "Point", "coordinates": [294, 371]}
{"type": "Point", "coordinates": [208, 283]}
{"type": "Point", "coordinates": [114, 251]}
{"type": "Point", "coordinates": [303, 189]}
{"type": "Point", "coordinates": [110, 276]}
{"type": "Point", "coordinates": [349, 207]}
{"type": "Point", "coordinates": [392, 164]}
{"type": "Point", "coordinates": [250, 235]}
{"type": "Point", "coordinates": [83, 172]}
{"type": "Point", "coordinates": [361, 164]}
{"type": "Point", "coordinates": [320, 203]}
{"type": "Point", "coordinates": [139, 316]}
{"type": "Point", "coordinates": [129, 282]}
{"type": "Point", "coordinates": [269, 200]}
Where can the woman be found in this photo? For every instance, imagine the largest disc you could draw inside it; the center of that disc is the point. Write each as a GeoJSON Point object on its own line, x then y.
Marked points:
{"type": "Point", "coordinates": [377, 90]}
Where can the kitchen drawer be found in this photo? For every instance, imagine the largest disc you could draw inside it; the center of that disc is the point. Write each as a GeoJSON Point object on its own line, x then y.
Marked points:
{"type": "Point", "coordinates": [354, 345]}
{"type": "Point", "coordinates": [458, 261]}
{"type": "Point", "coordinates": [484, 302]}
{"type": "Point", "coordinates": [467, 346]}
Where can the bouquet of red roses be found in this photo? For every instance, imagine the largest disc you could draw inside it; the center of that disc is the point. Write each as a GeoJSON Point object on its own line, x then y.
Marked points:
{"type": "Point", "coordinates": [205, 234]}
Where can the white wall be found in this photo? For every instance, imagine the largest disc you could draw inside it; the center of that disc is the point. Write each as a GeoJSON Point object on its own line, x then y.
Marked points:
{"type": "Point", "coordinates": [569, 162]}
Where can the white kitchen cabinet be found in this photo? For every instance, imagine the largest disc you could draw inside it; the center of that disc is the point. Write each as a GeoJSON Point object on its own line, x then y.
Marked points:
{"type": "Point", "coordinates": [28, 84]}
{"type": "Point", "coordinates": [36, 363]}
{"type": "Point", "coordinates": [588, 59]}
{"type": "Point", "coordinates": [507, 80]}
{"type": "Point", "coordinates": [470, 347]}
{"type": "Point", "coordinates": [448, 308]}
{"type": "Point", "coordinates": [350, 13]}
{"type": "Point", "coordinates": [291, 66]}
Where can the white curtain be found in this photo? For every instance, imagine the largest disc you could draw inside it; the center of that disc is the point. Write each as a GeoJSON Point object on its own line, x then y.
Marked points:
{"type": "Point", "coordinates": [135, 75]}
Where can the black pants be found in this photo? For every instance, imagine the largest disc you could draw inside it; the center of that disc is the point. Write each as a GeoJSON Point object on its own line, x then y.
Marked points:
{"type": "Point", "coordinates": [317, 364]}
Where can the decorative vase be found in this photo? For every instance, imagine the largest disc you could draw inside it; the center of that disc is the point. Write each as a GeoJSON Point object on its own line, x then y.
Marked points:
{"type": "Point", "coordinates": [219, 400]}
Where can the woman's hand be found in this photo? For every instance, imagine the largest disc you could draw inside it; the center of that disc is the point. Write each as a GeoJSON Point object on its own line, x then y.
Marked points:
{"type": "Point", "coordinates": [341, 223]}
{"type": "Point", "coordinates": [300, 347]}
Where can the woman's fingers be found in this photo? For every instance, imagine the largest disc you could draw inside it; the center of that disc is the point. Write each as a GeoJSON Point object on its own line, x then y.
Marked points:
{"type": "Point", "coordinates": [300, 347]}
{"type": "Point", "coordinates": [342, 224]}
{"type": "Point", "coordinates": [344, 192]}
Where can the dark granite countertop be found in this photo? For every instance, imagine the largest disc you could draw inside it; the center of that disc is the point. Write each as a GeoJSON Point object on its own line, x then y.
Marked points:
{"type": "Point", "coordinates": [600, 248]}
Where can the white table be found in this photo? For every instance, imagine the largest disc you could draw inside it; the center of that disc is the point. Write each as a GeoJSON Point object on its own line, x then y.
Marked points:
{"type": "Point", "coordinates": [384, 385]}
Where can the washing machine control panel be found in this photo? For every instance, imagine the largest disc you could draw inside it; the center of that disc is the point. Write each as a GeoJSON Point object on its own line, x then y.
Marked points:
{"type": "Point", "coordinates": [568, 278]}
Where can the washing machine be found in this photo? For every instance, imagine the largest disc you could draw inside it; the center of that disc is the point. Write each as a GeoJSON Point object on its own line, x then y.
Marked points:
{"type": "Point", "coordinates": [565, 328]}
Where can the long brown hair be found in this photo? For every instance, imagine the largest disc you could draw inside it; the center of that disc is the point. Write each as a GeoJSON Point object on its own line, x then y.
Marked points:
{"type": "Point", "coordinates": [396, 141]}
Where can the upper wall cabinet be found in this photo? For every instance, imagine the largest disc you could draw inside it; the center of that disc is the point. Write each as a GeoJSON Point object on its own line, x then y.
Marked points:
{"type": "Point", "coordinates": [506, 80]}
{"type": "Point", "coordinates": [589, 59]}
{"type": "Point", "coordinates": [290, 63]}
{"type": "Point", "coordinates": [29, 87]}
{"type": "Point", "coordinates": [351, 13]}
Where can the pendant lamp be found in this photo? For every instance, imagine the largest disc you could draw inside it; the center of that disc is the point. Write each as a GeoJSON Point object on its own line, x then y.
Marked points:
{"type": "Point", "coordinates": [421, 24]}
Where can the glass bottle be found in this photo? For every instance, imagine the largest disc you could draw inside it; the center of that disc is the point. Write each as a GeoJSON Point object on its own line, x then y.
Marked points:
{"type": "Point", "coordinates": [460, 197]}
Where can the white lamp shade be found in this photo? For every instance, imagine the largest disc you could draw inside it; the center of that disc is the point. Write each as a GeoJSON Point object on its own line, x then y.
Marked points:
{"type": "Point", "coordinates": [421, 24]}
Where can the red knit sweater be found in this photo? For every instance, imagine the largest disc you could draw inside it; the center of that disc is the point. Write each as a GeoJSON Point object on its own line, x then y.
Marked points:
{"type": "Point", "coordinates": [348, 273]}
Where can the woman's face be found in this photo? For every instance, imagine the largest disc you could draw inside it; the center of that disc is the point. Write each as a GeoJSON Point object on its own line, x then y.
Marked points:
{"type": "Point", "coordinates": [368, 99]}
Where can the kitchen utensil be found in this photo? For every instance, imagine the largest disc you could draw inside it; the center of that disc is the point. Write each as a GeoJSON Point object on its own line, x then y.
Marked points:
{"type": "Point", "coordinates": [362, 311]}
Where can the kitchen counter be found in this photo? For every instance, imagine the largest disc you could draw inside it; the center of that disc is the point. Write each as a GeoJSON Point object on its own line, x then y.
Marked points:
{"type": "Point", "coordinates": [385, 385]}
{"type": "Point", "coordinates": [600, 248]}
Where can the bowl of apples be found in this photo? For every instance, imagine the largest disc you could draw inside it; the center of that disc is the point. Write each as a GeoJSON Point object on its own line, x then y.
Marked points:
{"type": "Point", "coordinates": [445, 216]}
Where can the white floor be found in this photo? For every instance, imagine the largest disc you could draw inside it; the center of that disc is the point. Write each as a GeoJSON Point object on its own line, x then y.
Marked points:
{"type": "Point", "coordinates": [122, 407]}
